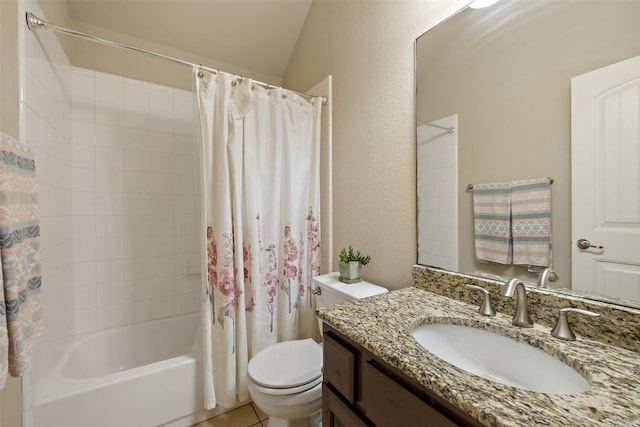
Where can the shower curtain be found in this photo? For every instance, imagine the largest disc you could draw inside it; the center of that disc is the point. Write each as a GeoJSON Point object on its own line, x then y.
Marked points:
{"type": "Point", "coordinates": [260, 152]}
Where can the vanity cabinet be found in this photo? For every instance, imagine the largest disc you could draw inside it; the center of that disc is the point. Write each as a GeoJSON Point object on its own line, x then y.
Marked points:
{"type": "Point", "coordinates": [361, 390]}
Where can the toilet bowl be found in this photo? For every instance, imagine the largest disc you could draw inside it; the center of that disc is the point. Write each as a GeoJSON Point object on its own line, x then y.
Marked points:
{"type": "Point", "coordinates": [285, 379]}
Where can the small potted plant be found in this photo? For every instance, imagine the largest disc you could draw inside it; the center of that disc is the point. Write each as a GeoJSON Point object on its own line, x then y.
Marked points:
{"type": "Point", "coordinates": [351, 265]}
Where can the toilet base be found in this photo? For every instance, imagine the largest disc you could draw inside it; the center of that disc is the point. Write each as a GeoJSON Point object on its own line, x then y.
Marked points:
{"type": "Point", "coordinates": [314, 420]}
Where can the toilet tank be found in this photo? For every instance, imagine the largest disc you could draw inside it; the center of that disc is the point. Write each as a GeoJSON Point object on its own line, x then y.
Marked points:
{"type": "Point", "coordinates": [333, 291]}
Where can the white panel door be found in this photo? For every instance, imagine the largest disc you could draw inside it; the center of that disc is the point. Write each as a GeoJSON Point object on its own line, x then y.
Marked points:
{"type": "Point", "coordinates": [605, 154]}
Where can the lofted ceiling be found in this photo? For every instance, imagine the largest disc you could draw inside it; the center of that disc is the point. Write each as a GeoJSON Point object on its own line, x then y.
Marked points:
{"type": "Point", "coordinates": [254, 34]}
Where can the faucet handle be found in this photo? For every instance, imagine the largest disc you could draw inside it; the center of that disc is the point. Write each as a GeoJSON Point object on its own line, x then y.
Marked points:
{"type": "Point", "coordinates": [563, 329]}
{"type": "Point", "coordinates": [485, 308]}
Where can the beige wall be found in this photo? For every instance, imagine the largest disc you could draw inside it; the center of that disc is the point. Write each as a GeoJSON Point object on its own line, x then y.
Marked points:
{"type": "Point", "coordinates": [368, 47]}
{"type": "Point", "coordinates": [11, 394]}
{"type": "Point", "coordinates": [134, 65]}
{"type": "Point", "coordinates": [9, 68]}
{"type": "Point", "coordinates": [517, 72]}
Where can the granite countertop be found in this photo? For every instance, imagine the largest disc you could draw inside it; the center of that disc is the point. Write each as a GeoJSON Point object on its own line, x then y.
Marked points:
{"type": "Point", "coordinates": [382, 325]}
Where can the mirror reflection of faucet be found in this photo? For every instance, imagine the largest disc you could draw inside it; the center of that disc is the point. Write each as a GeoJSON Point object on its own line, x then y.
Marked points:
{"type": "Point", "coordinates": [547, 275]}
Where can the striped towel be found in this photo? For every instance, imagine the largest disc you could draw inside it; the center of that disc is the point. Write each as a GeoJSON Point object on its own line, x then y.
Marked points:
{"type": "Point", "coordinates": [20, 314]}
{"type": "Point", "coordinates": [531, 221]}
{"type": "Point", "coordinates": [492, 222]}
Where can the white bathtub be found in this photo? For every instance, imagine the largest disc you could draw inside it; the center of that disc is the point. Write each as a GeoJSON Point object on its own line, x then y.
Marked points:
{"type": "Point", "coordinates": [147, 374]}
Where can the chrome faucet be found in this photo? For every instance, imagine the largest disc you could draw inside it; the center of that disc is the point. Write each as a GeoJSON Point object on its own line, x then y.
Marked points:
{"type": "Point", "coordinates": [545, 276]}
{"type": "Point", "coordinates": [521, 318]}
{"type": "Point", "coordinates": [563, 329]}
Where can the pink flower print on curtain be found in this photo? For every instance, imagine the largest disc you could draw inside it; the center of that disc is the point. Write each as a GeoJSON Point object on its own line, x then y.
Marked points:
{"type": "Point", "coordinates": [226, 282]}
{"type": "Point", "coordinates": [247, 258]}
{"type": "Point", "coordinates": [212, 261]}
{"type": "Point", "coordinates": [269, 267]}
{"type": "Point", "coordinates": [290, 271]}
{"type": "Point", "coordinates": [313, 240]}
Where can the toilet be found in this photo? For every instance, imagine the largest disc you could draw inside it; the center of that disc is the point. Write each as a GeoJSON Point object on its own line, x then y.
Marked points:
{"type": "Point", "coordinates": [285, 379]}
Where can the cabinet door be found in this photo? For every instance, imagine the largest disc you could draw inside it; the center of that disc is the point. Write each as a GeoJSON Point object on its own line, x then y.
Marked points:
{"type": "Point", "coordinates": [389, 404]}
{"type": "Point", "coordinates": [335, 413]}
{"type": "Point", "coordinates": [339, 367]}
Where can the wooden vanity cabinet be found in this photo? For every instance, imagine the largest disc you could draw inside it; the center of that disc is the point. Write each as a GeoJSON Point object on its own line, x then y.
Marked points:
{"type": "Point", "coordinates": [361, 390]}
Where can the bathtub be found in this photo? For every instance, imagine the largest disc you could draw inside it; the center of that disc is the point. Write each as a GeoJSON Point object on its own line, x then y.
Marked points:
{"type": "Point", "coordinates": [146, 374]}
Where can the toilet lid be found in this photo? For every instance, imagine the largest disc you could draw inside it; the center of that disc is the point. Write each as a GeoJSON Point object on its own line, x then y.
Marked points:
{"type": "Point", "coordinates": [287, 364]}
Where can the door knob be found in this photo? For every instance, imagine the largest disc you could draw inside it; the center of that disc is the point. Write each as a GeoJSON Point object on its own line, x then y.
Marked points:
{"type": "Point", "coordinates": [585, 244]}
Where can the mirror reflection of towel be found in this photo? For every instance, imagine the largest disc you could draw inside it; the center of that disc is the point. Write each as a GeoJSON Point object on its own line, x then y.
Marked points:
{"type": "Point", "coordinates": [531, 221]}
{"type": "Point", "coordinates": [492, 222]}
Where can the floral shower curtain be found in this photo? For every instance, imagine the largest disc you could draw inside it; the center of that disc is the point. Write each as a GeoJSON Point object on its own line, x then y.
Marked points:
{"type": "Point", "coordinates": [259, 217]}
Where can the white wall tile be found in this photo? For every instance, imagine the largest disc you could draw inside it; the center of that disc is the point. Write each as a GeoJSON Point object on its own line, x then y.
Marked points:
{"type": "Point", "coordinates": [84, 273]}
{"type": "Point", "coordinates": [83, 84]}
{"type": "Point", "coordinates": [161, 122]}
{"type": "Point", "coordinates": [84, 320]}
{"type": "Point", "coordinates": [84, 203]}
{"type": "Point", "coordinates": [109, 271]}
{"type": "Point", "coordinates": [110, 317]}
{"type": "Point", "coordinates": [136, 182]}
{"type": "Point", "coordinates": [160, 162]}
{"type": "Point", "coordinates": [133, 158]}
{"type": "Point", "coordinates": [160, 141]}
{"type": "Point", "coordinates": [136, 95]}
{"type": "Point", "coordinates": [182, 103]}
{"type": "Point", "coordinates": [109, 181]}
{"type": "Point", "coordinates": [161, 204]}
{"type": "Point", "coordinates": [83, 226]}
{"type": "Point", "coordinates": [109, 135]}
{"type": "Point", "coordinates": [160, 99]}
{"type": "Point", "coordinates": [161, 307]}
{"type": "Point", "coordinates": [137, 290]}
{"type": "Point", "coordinates": [137, 311]}
{"type": "Point", "coordinates": [187, 303]}
{"type": "Point", "coordinates": [161, 183]}
{"type": "Point", "coordinates": [109, 91]}
{"type": "Point", "coordinates": [83, 179]}
{"type": "Point", "coordinates": [183, 144]}
{"type": "Point", "coordinates": [109, 203]}
{"type": "Point", "coordinates": [109, 226]}
{"type": "Point", "coordinates": [136, 160]}
{"type": "Point", "coordinates": [83, 132]}
{"type": "Point", "coordinates": [108, 158]}
{"type": "Point", "coordinates": [109, 248]}
{"type": "Point", "coordinates": [83, 156]}
{"type": "Point", "coordinates": [161, 266]}
{"type": "Point", "coordinates": [161, 286]}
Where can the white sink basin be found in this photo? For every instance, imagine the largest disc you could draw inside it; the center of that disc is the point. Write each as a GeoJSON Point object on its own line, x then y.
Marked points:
{"type": "Point", "coordinates": [500, 359]}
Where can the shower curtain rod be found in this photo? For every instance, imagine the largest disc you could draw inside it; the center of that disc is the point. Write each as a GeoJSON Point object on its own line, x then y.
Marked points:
{"type": "Point", "coordinates": [36, 23]}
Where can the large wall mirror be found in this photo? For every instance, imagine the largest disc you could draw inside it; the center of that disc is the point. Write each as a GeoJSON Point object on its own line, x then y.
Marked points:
{"type": "Point", "coordinates": [494, 103]}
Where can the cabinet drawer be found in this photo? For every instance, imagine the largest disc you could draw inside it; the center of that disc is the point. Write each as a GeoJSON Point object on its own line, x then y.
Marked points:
{"type": "Point", "coordinates": [389, 404]}
{"type": "Point", "coordinates": [338, 367]}
{"type": "Point", "coordinates": [335, 413]}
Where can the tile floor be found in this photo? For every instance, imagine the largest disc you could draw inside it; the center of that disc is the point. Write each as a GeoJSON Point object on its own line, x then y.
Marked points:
{"type": "Point", "coordinates": [245, 416]}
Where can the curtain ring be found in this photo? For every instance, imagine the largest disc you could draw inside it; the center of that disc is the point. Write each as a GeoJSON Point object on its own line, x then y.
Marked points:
{"type": "Point", "coordinates": [200, 74]}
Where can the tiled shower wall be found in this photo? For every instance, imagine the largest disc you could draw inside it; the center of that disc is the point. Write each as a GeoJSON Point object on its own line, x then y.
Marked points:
{"type": "Point", "coordinates": [134, 207]}
{"type": "Point", "coordinates": [45, 125]}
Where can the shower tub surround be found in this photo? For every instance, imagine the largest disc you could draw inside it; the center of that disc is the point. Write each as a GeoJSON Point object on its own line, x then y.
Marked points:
{"type": "Point", "coordinates": [146, 374]}
{"type": "Point", "coordinates": [383, 325]}
{"type": "Point", "coordinates": [135, 247]}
